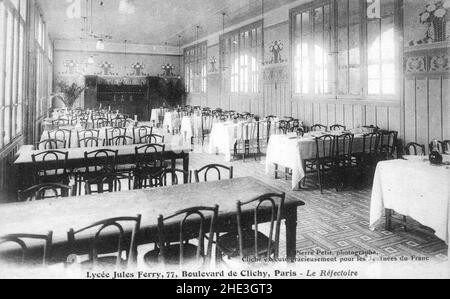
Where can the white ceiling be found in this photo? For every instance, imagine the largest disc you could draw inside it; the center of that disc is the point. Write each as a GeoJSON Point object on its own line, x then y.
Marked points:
{"type": "Point", "coordinates": [155, 21]}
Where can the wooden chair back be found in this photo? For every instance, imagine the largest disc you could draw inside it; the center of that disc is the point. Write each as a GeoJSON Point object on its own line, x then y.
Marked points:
{"type": "Point", "coordinates": [124, 243]}
{"type": "Point", "coordinates": [213, 167]}
{"type": "Point", "coordinates": [275, 223]}
{"type": "Point", "coordinates": [40, 192]}
{"type": "Point", "coordinates": [19, 239]}
{"type": "Point", "coordinates": [415, 149]}
{"type": "Point", "coordinates": [187, 231]}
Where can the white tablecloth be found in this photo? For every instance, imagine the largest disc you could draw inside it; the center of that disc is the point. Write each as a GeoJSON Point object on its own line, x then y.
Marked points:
{"type": "Point", "coordinates": [191, 126]}
{"type": "Point", "coordinates": [223, 138]}
{"type": "Point", "coordinates": [290, 151]}
{"type": "Point", "coordinates": [171, 120]}
{"type": "Point", "coordinates": [102, 135]}
{"type": "Point", "coordinates": [156, 114]}
{"type": "Point", "coordinates": [416, 189]}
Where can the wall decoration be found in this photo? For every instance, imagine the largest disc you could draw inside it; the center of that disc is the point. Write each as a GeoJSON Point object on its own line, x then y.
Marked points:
{"type": "Point", "coordinates": [276, 48]}
{"type": "Point", "coordinates": [213, 63]}
{"type": "Point", "coordinates": [276, 74]}
{"type": "Point", "coordinates": [70, 66]}
{"type": "Point", "coordinates": [138, 69]}
{"type": "Point", "coordinates": [106, 67]}
{"type": "Point", "coordinates": [440, 63]}
{"type": "Point", "coordinates": [435, 15]}
{"type": "Point", "coordinates": [167, 70]}
{"type": "Point", "coordinates": [416, 64]}
{"type": "Point", "coordinates": [424, 62]}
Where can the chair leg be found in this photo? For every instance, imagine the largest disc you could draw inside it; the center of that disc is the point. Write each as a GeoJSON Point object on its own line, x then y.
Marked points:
{"type": "Point", "coordinates": [276, 171]}
{"type": "Point", "coordinates": [319, 176]}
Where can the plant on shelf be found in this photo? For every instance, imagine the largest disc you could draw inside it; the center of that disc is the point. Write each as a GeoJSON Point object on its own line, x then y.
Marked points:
{"type": "Point", "coordinates": [435, 16]}
{"type": "Point", "coordinates": [67, 93]}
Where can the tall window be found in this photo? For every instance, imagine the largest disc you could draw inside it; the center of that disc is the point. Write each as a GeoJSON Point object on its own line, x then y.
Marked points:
{"type": "Point", "coordinates": [12, 36]}
{"type": "Point", "coordinates": [312, 46]}
{"type": "Point", "coordinates": [333, 40]}
{"type": "Point", "coordinates": [381, 51]}
{"type": "Point", "coordinates": [241, 58]}
{"type": "Point", "coordinates": [195, 59]}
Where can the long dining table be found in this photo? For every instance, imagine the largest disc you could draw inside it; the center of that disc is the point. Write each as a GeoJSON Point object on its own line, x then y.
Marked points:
{"type": "Point", "coordinates": [126, 155]}
{"type": "Point", "coordinates": [61, 215]}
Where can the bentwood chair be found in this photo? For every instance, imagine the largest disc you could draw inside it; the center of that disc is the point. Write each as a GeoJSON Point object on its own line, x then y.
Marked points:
{"type": "Point", "coordinates": [61, 134]}
{"type": "Point", "coordinates": [318, 128]}
{"type": "Point", "coordinates": [51, 167]}
{"type": "Point", "coordinates": [115, 132]}
{"type": "Point", "coordinates": [174, 246]}
{"type": "Point", "coordinates": [283, 126]}
{"type": "Point", "coordinates": [171, 177]}
{"type": "Point", "coordinates": [149, 166]}
{"type": "Point", "coordinates": [152, 139]}
{"type": "Point", "coordinates": [56, 124]}
{"type": "Point", "coordinates": [91, 142]}
{"type": "Point", "coordinates": [247, 144]}
{"type": "Point", "coordinates": [367, 159]}
{"type": "Point", "coordinates": [294, 125]}
{"type": "Point", "coordinates": [245, 241]}
{"type": "Point", "coordinates": [51, 144]}
{"type": "Point", "coordinates": [100, 123]}
{"type": "Point", "coordinates": [107, 248]}
{"type": "Point", "coordinates": [325, 162]}
{"type": "Point", "coordinates": [96, 162]}
{"type": "Point", "coordinates": [338, 128]}
{"type": "Point", "coordinates": [120, 122]}
{"type": "Point", "coordinates": [263, 135]}
{"type": "Point", "coordinates": [140, 132]}
{"type": "Point", "coordinates": [87, 134]}
{"type": "Point", "coordinates": [437, 145]}
{"type": "Point", "coordinates": [120, 141]}
{"type": "Point", "coordinates": [387, 144]}
{"type": "Point", "coordinates": [446, 147]}
{"type": "Point", "coordinates": [22, 255]}
{"type": "Point", "coordinates": [415, 149]}
{"type": "Point", "coordinates": [105, 183]}
{"type": "Point", "coordinates": [215, 168]}
{"type": "Point", "coordinates": [344, 158]}
{"type": "Point", "coordinates": [207, 124]}
{"type": "Point", "coordinates": [45, 191]}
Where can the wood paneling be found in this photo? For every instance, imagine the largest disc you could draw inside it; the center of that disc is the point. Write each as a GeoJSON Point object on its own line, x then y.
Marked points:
{"type": "Point", "coordinates": [446, 108]}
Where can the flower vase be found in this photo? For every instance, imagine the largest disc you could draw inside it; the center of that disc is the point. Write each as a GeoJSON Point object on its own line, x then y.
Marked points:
{"type": "Point", "coordinates": [439, 26]}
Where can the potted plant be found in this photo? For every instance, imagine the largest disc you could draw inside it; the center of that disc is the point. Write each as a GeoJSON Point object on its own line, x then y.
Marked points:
{"type": "Point", "coordinates": [434, 15]}
{"type": "Point", "coordinates": [68, 94]}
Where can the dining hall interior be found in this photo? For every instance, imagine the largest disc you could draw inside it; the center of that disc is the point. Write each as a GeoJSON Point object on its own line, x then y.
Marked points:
{"type": "Point", "coordinates": [205, 133]}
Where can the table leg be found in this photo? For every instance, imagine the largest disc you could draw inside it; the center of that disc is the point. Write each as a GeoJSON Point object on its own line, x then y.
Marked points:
{"type": "Point", "coordinates": [291, 234]}
{"type": "Point", "coordinates": [388, 219]}
{"type": "Point", "coordinates": [186, 163]}
{"type": "Point", "coordinates": [276, 171]}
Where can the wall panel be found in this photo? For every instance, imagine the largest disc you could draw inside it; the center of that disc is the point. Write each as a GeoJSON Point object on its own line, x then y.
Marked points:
{"type": "Point", "coordinates": [422, 110]}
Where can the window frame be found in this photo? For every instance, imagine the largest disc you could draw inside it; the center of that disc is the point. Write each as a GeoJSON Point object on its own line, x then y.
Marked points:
{"type": "Point", "coordinates": [363, 44]}
{"type": "Point", "coordinates": [12, 85]}
{"type": "Point", "coordinates": [196, 68]}
{"type": "Point", "coordinates": [235, 47]}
